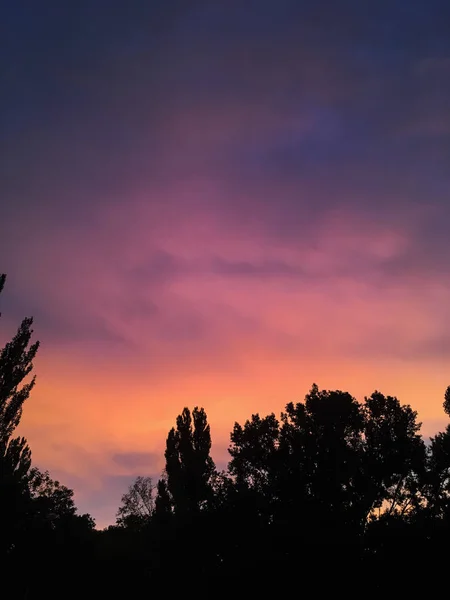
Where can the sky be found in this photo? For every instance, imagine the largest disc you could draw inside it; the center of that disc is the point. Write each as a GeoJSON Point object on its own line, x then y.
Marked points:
{"type": "Point", "coordinates": [218, 203]}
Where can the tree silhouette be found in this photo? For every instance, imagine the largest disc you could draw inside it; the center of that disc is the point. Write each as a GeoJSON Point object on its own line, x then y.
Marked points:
{"type": "Point", "coordinates": [437, 479]}
{"type": "Point", "coordinates": [189, 466]}
{"type": "Point", "coordinates": [438, 484]}
{"type": "Point", "coordinates": [37, 514]}
{"type": "Point", "coordinates": [16, 363]}
{"type": "Point", "coordinates": [53, 515]}
{"type": "Point", "coordinates": [138, 504]}
{"type": "Point", "coordinates": [447, 401]}
{"type": "Point", "coordinates": [163, 502]}
{"type": "Point", "coordinates": [394, 454]}
{"type": "Point", "coordinates": [321, 471]}
{"type": "Point", "coordinates": [52, 500]}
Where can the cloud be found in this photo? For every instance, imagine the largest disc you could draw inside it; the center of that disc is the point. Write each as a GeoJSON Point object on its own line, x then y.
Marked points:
{"type": "Point", "coordinates": [268, 269]}
{"type": "Point", "coordinates": [159, 267]}
{"type": "Point", "coordinates": [135, 460]}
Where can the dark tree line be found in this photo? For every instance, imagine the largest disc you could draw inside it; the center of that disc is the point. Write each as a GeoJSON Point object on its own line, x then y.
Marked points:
{"type": "Point", "coordinates": [333, 494]}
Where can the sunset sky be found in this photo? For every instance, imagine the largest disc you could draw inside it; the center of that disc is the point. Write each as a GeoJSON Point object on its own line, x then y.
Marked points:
{"type": "Point", "coordinates": [218, 203]}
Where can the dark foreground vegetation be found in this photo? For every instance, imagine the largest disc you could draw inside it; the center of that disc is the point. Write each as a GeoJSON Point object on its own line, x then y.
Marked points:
{"type": "Point", "coordinates": [333, 495]}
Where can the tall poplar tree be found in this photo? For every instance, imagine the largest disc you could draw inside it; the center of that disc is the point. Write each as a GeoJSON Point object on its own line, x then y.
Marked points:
{"type": "Point", "coordinates": [189, 466]}
{"type": "Point", "coordinates": [16, 364]}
